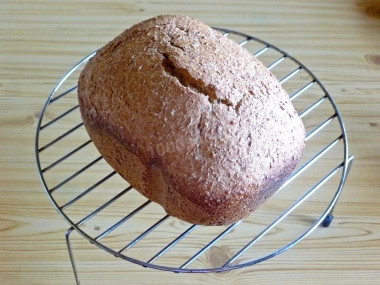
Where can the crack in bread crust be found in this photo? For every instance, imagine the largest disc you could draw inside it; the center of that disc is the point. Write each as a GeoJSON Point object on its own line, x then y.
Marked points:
{"type": "Point", "coordinates": [188, 81]}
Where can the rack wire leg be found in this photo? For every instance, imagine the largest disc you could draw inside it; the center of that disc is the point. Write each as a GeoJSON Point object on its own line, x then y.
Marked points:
{"type": "Point", "coordinates": [329, 218]}
{"type": "Point", "coordinates": [70, 250]}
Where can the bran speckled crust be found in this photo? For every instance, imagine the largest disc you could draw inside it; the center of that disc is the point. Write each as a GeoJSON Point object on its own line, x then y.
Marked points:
{"type": "Point", "coordinates": [191, 119]}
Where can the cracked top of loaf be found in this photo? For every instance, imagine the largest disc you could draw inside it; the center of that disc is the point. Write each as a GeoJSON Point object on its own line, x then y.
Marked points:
{"type": "Point", "coordinates": [186, 100]}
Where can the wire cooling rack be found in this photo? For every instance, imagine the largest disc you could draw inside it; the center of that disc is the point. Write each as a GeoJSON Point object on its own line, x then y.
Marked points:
{"type": "Point", "coordinates": [122, 222]}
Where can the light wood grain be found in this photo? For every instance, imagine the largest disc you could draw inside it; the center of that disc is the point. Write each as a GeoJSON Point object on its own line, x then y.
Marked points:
{"type": "Point", "coordinates": [39, 40]}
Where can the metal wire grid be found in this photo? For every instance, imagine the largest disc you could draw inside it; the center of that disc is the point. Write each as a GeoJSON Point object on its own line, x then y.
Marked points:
{"type": "Point", "coordinates": [325, 217]}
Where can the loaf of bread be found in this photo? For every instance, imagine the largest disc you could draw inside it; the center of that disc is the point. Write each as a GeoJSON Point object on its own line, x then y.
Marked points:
{"type": "Point", "coordinates": [190, 119]}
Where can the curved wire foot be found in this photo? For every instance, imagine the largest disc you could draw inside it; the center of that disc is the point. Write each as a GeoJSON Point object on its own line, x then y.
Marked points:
{"type": "Point", "coordinates": [70, 250]}
{"type": "Point", "coordinates": [329, 218]}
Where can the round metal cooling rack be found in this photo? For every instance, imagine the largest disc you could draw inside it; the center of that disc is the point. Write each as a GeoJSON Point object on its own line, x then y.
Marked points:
{"type": "Point", "coordinates": [131, 224]}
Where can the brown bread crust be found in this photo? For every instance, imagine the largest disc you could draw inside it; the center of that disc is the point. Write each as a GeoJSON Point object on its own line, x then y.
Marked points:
{"type": "Point", "coordinates": [191, 119]}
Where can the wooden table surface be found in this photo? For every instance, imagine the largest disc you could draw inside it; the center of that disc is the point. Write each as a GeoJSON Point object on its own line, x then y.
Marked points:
{"type": "Point", "coordinates": [39, 40]}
